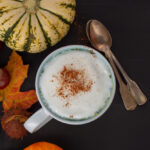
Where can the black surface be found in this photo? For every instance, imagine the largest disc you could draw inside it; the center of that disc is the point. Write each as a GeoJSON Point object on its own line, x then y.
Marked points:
{"type": "Point", "coordinates": [129, 24]}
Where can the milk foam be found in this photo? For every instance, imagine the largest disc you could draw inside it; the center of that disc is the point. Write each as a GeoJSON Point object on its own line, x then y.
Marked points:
{"type": "Point", "coordinates": [82, 105]}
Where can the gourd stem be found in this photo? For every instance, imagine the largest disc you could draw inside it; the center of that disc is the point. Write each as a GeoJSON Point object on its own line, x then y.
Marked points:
{"type": "Point", "coordinates": [31, 5]}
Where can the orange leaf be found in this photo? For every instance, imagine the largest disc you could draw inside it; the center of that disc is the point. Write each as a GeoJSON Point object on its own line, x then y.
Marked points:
{"type": "Point", "coordinates": [43, 146]}
{"type": "Point", "coordinates": [17, 71]}
{"type": "Point", "coordinates": [11, 95]}
{"type": "Point", "coordinates": [22, 100]}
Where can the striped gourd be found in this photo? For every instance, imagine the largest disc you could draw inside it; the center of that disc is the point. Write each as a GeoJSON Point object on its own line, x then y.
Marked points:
{"type": "Point", "coordinates": [33, 25]}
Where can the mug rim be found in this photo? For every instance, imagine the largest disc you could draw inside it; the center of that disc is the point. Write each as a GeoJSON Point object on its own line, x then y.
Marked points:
{"type": "Point", "coordinates": [75, 122]}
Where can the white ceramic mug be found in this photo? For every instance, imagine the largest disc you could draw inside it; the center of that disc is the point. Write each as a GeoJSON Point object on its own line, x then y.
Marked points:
{"type": "Point", "coordinates": [44, 115]}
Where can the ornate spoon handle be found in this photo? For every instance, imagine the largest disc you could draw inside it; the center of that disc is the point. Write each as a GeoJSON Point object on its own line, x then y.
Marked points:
{"type": "Point", "coordinates": [128, 99]}
{"type": "Point", "coordinates": [134, 88]}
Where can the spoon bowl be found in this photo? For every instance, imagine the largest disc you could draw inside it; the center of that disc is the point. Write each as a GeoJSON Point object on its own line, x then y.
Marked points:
{"type": "Point", "coordinates": [98, 34]}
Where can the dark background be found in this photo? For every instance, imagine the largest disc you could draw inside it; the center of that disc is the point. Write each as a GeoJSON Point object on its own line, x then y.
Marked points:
{"type": "Point", "coordinates": [129, 24]}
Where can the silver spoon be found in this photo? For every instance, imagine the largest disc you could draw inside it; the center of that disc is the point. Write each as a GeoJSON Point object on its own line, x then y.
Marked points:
{"type": "Point", "coordinates": [101, 39]}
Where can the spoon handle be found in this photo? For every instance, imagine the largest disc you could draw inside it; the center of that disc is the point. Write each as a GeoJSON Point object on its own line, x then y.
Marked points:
{"type": "Point", "coordinates": [134, 88]}
{"type": "Point", "coordinates": [128, 99]}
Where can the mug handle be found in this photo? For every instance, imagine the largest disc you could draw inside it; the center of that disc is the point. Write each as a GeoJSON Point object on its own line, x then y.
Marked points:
{"type": "Point", "coordinates": [37, 120]}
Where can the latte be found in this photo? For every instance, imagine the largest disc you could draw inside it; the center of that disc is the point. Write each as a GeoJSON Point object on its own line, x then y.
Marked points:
{"type": "Point", "coordinates": [75, 85]}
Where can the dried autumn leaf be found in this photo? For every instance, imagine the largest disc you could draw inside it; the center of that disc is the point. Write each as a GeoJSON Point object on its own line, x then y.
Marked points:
{"type": "Point", "coordinates": [11, 95]}
{"type": "Point", "coordinates": [22, 100]}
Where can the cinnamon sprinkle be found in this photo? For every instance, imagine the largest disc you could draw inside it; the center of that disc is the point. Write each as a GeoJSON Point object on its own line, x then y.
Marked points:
{"type": "Point", "coordinates": [71, 117]}
{"type": "Point", "coordinates": [72, 82]}
{"type": "Point", "coordinates": [67, 104]}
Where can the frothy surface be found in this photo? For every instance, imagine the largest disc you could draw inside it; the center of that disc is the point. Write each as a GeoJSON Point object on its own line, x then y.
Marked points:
{"type": "Point", "coordinates": [82, 104]}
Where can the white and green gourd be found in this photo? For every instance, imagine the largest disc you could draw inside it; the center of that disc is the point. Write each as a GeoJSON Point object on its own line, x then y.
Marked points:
{"type": "Point", "coordinates": [33, 25]}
